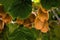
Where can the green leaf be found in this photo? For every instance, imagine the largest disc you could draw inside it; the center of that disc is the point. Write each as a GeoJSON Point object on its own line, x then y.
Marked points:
{"type": "Point", "coordinates": [57, 31]}
{"type": "Point", "coordinates": [45, 36]}
{"type": "Point", "coordinates": [52, 35]}
{"type": "Point", "coordinates": [5, 33]}
{"type": "Point", "coordinates": [54, 31]}
{"type": "Point", "coordinates": [21, 8]}
{"type": "Point", "coordinates": [50, 3]}
{"type": "Point", "coordinates": [18, 8]}
{"type": "Point", "coordinates": [7, 4]}
{"type": "Point", "coordinates": [12, 27]}
{"type": "Point", "coordinates": [23, 33]}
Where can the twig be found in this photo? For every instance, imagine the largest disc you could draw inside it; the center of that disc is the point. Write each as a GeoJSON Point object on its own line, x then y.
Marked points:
{"type": "Point", "coordinates": [56, 15]}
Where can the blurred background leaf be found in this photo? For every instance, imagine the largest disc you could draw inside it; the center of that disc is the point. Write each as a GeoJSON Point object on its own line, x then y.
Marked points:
{"type": "Point", "coordinates": [50, 3]}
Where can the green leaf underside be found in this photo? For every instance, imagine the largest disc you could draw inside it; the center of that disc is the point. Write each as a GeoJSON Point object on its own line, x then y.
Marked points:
{"type": "Point", "coordinates": [23, 34]}
{"type": "Point", "coordinates": [50, 3]}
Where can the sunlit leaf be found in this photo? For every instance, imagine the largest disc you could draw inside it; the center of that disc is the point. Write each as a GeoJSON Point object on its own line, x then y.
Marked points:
{"type": "Point", "coordinates": [12, 27]}
{"type": "Point", "coordinates": [36, 1]}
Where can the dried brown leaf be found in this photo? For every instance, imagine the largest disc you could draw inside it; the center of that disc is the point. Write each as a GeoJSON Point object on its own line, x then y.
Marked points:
{"type": "Point", "coordinates": [38, 24]}
{"type": "Point", "coordinates": [19, 21]}
{"type": "Point", "coordinates": [45, 29]}
{"type": "Point", "coordinates": [41, 20]}
{"type": "Point", "coordinates": [7, 18]}
{"type": "Point", "coordinates": [28, 22]}
{"type": "Point", "coordinates": [43, 14]}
